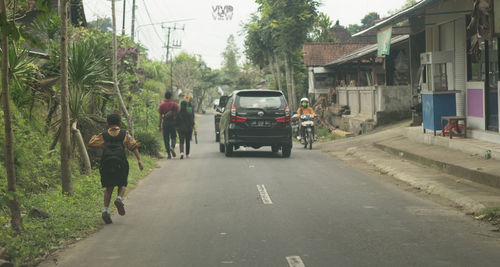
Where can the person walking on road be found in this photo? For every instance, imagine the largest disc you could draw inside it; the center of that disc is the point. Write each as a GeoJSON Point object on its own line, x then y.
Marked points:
{"type": "Point", "coordinates": [114, 164]}
{"type": "Point", "coordinates": [185, 124]}
{"type": "Point", "coordinates": [168, 114]}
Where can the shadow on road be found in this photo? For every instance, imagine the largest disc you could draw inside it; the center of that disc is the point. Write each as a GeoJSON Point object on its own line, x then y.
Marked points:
{"type": "Point", "coordinates": [255, 154]}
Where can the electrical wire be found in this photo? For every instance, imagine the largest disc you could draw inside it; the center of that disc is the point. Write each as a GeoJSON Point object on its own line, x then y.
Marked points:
{"type": "Point", "coordinates": [151, 21]}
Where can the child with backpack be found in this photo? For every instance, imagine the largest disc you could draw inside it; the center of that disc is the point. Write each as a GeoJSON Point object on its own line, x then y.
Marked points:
{"type": "Point", "coordinates": [114, 164]}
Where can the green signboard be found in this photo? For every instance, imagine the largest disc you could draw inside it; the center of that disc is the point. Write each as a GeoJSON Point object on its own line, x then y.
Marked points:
{"type": "Point", "coordinates": [384, 41]}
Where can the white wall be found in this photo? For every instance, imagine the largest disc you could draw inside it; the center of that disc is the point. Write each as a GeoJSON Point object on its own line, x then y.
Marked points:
{"type": "Point", "coordinates": [372, 99]}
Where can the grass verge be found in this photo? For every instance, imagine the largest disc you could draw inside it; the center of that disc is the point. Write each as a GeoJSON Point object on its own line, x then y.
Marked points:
{"type": "Point", "coordinates": [325, 136]}
{"type": "Point", "coordinates": [71, 218]}
{"type": "Point", "coordinates": [490, 213]}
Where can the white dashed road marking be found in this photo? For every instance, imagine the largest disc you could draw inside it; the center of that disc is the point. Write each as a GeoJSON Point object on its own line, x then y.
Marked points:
{"type": "Point", "coordinates": [295, 261]}
{"type": "Point", "coordinates": [263, 194]}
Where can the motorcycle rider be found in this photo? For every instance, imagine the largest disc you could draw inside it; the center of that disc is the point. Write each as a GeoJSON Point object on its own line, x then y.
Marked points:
{"type": "Point", "coordinates": [305, 109]}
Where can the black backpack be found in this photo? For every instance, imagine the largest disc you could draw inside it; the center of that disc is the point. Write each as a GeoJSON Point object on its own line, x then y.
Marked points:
{"type": "Point", "coordinates": [113, 160]}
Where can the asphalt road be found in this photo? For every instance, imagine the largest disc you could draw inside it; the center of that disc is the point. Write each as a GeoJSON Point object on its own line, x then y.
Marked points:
{"type": "Point", "coordinates": [214, 211]}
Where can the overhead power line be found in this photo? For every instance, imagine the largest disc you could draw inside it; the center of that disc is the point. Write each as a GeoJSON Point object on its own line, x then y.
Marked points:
{"type": "Point", "coordinates": [151, 21]}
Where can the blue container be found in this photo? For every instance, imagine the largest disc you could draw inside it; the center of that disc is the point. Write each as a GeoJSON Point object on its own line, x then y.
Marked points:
{"type": "Point", "coordinates": [435, 105]}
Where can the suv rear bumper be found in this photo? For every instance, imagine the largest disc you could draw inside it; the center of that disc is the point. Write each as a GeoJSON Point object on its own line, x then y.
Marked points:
{"type": "Point", "coordinates": [260, 141]}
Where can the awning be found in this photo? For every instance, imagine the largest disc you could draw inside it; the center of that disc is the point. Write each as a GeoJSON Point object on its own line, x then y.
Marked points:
{"type": "Point", "coordinates": [365, 51]}
{"type": "Point", "coordinates": [398, 17]}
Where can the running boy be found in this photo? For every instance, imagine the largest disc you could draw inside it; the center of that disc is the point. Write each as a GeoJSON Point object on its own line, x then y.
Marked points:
{"type": "Point", "coordinates": [114, 164]}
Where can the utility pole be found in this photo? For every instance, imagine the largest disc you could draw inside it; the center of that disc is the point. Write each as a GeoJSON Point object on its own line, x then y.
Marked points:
{"type": "Point", "coordinates": [175, 44]}
{"type": "Point", "coordinates": [168, 46]}
{"type": "Point", "coordinates": [124, 9]}
{"type": "Point", "coordinates": [133, 20]}
{"type": "Point", "coordinates": [170, 29]}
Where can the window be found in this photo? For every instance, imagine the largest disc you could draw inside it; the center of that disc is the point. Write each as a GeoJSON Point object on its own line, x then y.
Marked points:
{"type": "Point", "coordinates": [476, 69]}
{"type": "Point", "coordinates": [265, 102]}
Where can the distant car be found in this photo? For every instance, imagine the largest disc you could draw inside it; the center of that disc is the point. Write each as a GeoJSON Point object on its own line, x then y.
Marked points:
{"type": "Point", "coordinates": [255, 118]}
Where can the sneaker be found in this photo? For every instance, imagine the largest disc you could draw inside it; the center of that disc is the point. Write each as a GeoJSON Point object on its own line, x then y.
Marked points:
{"type": "Point", "coordinates": [172, 150]}
{"type": "Point", "coordinates": [120, 207]}
{"type": "Point", "coordinates": [188, 156]}
{"type": "Point", "coordinates": [182, 155]}
{"type": "Point", "coordinates": [106, 218]}
{"type": "Point", "coordinates": [169, 157]}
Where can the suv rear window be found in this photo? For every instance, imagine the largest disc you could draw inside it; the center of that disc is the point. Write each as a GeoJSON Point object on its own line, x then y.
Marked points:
{"type": "Point", "coordinates": [261, 100]}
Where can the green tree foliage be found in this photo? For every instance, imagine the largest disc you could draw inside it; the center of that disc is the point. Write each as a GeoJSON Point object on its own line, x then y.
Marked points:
{"type": "Point", "coordinates": [292, 22]}
{"type": "Point", "coordinates": [103, 24]}
{"type": "Point", "coordinates": [354, 28]}
{"type": "Point", "coordinates": [366, 22]}
{"type": "Point", "coordinates": [230, 58]}
{"type": "Point", "coordinates": [257, 41]}
{"type": "Point", "coordinates": [321, 31]}
{"type": "Point", "coordinates": [369, 19]}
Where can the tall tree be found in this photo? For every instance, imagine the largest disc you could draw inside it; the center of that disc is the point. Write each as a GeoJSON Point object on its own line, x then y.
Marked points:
{"type": "Point", "coordinates": [369, 19]}
{"type": "Point", "coordinates": [66, 177]}
{"type": "Point", "coordinates": [230, 58]}
{"type": "Point", "coordinates": [293, 20]}
{"type": "Point", "coordinates": [16, 220]}
{"type": "Point", "coordinates": [321, 31]}
{"type": "Point", "coordinates": [260, 47]}
{"type": "Point", "coordinates": [116, 87]}
{"type": "Point", "coordinates": [186, 73]}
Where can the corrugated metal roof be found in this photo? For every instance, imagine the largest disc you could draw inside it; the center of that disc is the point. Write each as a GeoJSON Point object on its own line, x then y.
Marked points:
{"type": "Point", "coordinates": [364, 51]}
{"type": "Point", "coordinates": [397, 17]}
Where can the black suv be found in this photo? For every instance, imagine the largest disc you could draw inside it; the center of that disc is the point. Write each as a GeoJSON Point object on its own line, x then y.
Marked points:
{"type": "Point", "coordinates": [255, 118]}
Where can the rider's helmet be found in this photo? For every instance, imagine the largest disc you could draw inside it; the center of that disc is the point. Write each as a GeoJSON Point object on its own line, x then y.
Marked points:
{"type": "Point", "coordinates": [304, 102]}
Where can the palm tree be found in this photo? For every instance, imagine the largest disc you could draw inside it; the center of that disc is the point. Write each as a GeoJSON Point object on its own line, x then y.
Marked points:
{"type": "Point", "coordinates": [87, 74]}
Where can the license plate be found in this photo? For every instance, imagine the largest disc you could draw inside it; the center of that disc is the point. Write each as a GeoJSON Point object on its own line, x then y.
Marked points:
{"type": "Point", "coordinates": [261, 124]}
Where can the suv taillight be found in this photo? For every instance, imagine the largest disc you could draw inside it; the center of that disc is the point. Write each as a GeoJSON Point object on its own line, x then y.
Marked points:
{"type": "Point", "coordinates": [287, 116]}
{"type": "Point", "coordinates": [235, 118]}
{"type": "Point", "coordinates": [238, 119]}
{"type": "Point", "coordinates": [283, 119]}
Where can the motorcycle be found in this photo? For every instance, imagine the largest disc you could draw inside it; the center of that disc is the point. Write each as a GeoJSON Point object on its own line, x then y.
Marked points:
{"type": "Point", "coordinates": [308, 124]}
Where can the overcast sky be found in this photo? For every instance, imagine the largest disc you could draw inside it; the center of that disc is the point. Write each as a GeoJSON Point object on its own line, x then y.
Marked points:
{"type": "Point", "coordinates": [202, 34]}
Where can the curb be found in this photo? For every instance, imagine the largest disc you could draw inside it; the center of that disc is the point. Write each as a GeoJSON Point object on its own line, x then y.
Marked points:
{"type": "Point", "coordinates": [455, 170]}
{"type": "Point", "coordinates": [470, 206]}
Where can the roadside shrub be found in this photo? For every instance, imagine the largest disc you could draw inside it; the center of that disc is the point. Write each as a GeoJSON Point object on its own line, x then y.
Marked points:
{"type": "Point", "coordinates": [37, 170]}
{"type": "Point", "coordinates": [321, 132]}
{"type": "Point", "coordinates": [150, 145]}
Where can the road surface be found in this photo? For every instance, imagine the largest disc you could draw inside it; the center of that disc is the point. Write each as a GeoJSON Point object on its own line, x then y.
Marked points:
{"type": "Point", "coordinates": [258, 209]}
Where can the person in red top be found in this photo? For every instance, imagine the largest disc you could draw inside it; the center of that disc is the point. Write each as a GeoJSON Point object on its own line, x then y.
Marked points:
{"type": "Point", "coordinates": [168, 114]}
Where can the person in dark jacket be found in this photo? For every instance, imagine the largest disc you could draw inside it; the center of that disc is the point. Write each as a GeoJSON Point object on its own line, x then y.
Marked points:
{"type": "Point", "coordinates": [185, 124]}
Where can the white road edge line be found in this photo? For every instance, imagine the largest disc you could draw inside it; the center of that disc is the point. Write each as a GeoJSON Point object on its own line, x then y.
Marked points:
{"type": "Point", "coordinates": [263, 194]}
{"type": "Point", "coordinates": [295, 261]}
